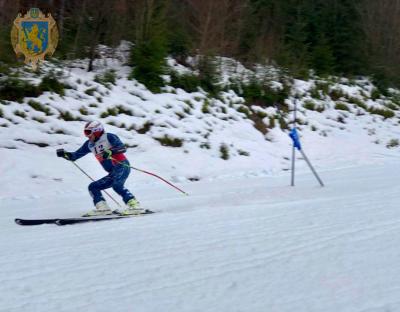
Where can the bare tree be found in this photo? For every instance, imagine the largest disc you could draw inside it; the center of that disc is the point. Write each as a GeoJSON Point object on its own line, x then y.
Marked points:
{"type": "Point", "coordinates": [382, 27]}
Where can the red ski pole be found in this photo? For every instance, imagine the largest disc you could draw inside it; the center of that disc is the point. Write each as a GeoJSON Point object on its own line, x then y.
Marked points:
{"type": "Point", "coordinates": [152, 174]}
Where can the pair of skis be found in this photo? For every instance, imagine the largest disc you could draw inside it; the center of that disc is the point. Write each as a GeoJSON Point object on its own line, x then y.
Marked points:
{"type": "Point", "coordinates": [67, 221]}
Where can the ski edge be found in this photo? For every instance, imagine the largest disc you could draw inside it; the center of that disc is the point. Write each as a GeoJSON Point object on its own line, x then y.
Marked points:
{"type": "Point", "coordinates": [67, 221]}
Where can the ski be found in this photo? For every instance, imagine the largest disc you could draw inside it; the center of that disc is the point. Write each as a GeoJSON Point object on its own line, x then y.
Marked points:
{"type": "Point", "coordinates": [68, 221]}
{"type": "Point", "coordinates": [34, 221]}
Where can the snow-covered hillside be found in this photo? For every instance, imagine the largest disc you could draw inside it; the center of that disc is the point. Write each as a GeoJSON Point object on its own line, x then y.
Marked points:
{"type": "Point", "coordinates": [205, 137]}
{"type": "Point", "coordinates": [243, 240]}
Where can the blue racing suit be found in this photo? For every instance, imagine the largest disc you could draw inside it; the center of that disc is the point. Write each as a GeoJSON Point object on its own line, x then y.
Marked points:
{"type": "Point", "coordinates": [118, 167]}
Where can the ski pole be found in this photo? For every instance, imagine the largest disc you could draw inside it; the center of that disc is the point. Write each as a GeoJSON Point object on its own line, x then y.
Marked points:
{"type": "Point", "coordinates": [150, 173]}
{"type": "Point", "coordinates": [76, 165]}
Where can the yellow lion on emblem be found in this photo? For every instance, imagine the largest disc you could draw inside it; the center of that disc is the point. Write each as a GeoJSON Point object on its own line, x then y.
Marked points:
{"type": "Point", "coordinates": [35, 37]}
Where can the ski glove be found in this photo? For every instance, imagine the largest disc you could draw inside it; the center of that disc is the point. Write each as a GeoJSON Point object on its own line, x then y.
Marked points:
{"type": "Point", "coordinates": [107, 154]}
{"type": "Point", "coordinates": [63, 154]}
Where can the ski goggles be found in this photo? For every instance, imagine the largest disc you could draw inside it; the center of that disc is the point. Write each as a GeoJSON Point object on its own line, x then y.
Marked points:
{"type": "Point", "coordinates": [87, 132]}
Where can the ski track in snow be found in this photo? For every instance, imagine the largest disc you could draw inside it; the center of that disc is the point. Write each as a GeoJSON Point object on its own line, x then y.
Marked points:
{"type": "Point", "coordinates": [243, 244]}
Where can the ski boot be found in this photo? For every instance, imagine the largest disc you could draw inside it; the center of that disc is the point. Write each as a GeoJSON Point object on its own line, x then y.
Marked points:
{"type": "Point", "coordinates": [133, 208]}
{"type": "Point", "coordinates": [102, 209]}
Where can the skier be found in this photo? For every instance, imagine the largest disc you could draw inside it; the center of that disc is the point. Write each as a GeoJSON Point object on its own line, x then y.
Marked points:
{"type": "Point", "coordinates": [109, 151]}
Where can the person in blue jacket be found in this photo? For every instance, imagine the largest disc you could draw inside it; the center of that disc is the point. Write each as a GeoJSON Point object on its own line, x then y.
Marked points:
{"type": "Point", "coordinates": [109, 151]}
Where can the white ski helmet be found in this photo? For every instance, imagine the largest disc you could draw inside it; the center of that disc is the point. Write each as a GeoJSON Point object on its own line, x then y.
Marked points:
{"type": "Point", "coordinates": [93, 130]}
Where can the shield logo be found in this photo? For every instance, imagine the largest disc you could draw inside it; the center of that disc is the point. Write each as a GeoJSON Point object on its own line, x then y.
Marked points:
{"type": "Point", "coordinates": [34, 35]}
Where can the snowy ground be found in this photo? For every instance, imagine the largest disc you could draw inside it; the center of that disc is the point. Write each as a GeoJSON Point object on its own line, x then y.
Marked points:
{"type": "Point", "coordinates": [235, 244]}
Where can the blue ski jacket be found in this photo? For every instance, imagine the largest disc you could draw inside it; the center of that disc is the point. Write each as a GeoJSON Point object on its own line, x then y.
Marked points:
{"type": "Point", "coordinates": [108, 141]}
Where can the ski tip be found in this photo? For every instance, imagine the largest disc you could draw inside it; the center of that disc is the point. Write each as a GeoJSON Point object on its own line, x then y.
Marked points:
{"type": "Point", "coordinates": [18, 221]}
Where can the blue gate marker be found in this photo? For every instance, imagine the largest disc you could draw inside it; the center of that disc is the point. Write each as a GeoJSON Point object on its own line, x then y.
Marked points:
{"type": "Point", "coordinates": [295, 138]}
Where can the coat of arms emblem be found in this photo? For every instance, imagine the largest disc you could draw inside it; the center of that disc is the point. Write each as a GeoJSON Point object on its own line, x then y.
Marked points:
{"type": "Point", "coordinates": [34, 35]}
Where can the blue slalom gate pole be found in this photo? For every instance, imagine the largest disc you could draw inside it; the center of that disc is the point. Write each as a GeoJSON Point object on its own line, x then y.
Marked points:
{"type": "Point", "coordinates": [296, 145]}
{"type": "Point", "coordinates": [293, 134]}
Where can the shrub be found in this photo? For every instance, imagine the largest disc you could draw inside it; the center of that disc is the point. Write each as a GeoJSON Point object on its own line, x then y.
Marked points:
{"type": "Point", "coordinates": [123, 110]}
{"type": "Point", "coordinates": [83, 110]}
{"type": "Point", "coordinates": [110, 112]}
{"type": "Point", "coordinates": [180, 115]}
{"type": "Point", "coordinates": [375, 94]}
{"type": "Point", "coordinates": [67, 116]}
{"type": "Point", "coordinates": [258, 93]}
{"type": "Point", "coordinates": [224, 151]}
{"type": "Point", "coordinates": [205, 108]}
{"type": "Point", "coordinates": [310, 105]}
{"type": "Point", "coordinates": [4, 69]}
{"type": "Point", "coordinates": [38, 119]}
{"type": "Point", "coordinates": [51, 84]}
{"type": "Point", "coordinates": [90, 91]}
{"type": "Point", "coordinates": [386, 113]}
{"type": "Point", "coordinates": [205, 145]}
{"type": "Point", "coordinates": [187, 82]}
{"type": "Point", "coordinates": [20, 113]}
{"type": "Point", "coordinates": [243, 109]}
{"type": "Point", "coordinates": [316, 93]}
{"type": "Point", "coordinates": [271, 122]}
{"type": "Point", "coordinates": [146, 128]}
{"type": "Point", "coordinates": [392, 106]}
{"type": "Point", "coordinates": [39, 107]}
{"type": "Point", "coordinates": [336, 94]}
{"type": "Point", "coordinates": [59, 131]}
{"type": "Point", "coordinates": [208, 75]}
{"type": "Point", "coordinates": [107, 79]}
{"type": "Point", "coordinates": [393, 143]}
{"type": "Point", "coordinates": [320, 108]}
{"type": "Point", "coordinates": [342, 106]}
{"type": "Point", "coordinates": [243, 153]}
{"type": "Point", "coordinates": [259, 114]}
{"type": "Point", "coordinates": [323, 87]}
{"type": "Point", "coordinates": [395, 99]}
{"type": "Point", "coordinates": [14, 89]}
{"type": "Point", "coordinates": [1, 113]}
{"type": "Point", "coordinates": [172, 142]}
{"type": "Point", "coordinates": [341, 119]}
{"type": "Point", "coordinates": [357, 102]}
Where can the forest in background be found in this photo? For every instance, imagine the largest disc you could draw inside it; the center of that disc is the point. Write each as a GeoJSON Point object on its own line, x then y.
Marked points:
{"type": "Point", "coordinates": [331, 37]}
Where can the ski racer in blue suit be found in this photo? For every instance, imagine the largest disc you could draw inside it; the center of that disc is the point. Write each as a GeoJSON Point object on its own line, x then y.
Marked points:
{"type": "Point", "coordinates": [109, 151]}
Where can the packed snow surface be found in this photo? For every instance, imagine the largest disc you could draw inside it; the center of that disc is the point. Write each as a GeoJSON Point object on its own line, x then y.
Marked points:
{"type": "Point", "coordinates": [235, 244]}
